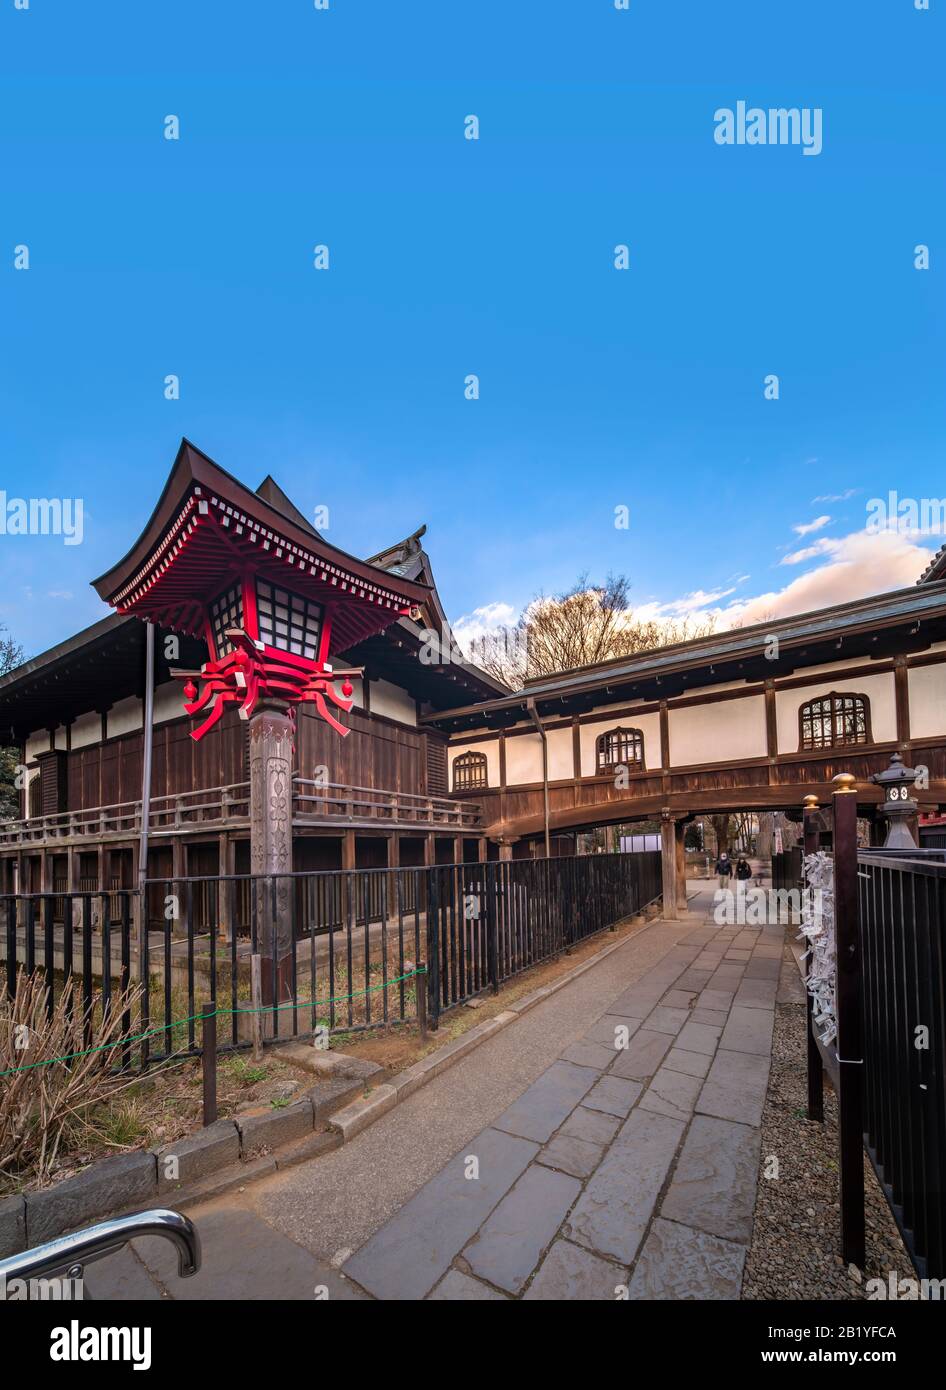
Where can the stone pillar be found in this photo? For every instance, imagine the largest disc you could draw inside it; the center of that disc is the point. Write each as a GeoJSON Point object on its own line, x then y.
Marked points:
{"type": "Point", "coordinates": [668, 865]}
{"type": "Point", "coordinates": [271, 843]}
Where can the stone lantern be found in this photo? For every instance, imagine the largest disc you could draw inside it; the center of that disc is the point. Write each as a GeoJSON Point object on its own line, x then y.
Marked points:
{"type": "Point", "coordinates": [899, 806]}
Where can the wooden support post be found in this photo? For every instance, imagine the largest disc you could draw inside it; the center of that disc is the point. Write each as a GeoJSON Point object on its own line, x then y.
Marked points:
{"type": "Point", "coordinates": [668, 866]}
{"type": "Point", "coordinates": [482, 849]}
{"type": "Point", "coordinates": [679, 834]}
{"type": "Point", "coordinates": [849, 1048]}
{"type": "Point", "coordinates": [430, 850]}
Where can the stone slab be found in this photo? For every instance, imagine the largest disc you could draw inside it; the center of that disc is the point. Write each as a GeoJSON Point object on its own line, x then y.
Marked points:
{"type": "Point", "coordinates": [510, 1243]}
{"type": "Point", "coordinates": [679, 998]}
{"type": "Point", "coordinates": [690, 1063]}
{"type": "Point", "coordinates": [592, 1125]}
{"type": "Point", "coordinates": [671, 1093]}
{"type": "Point", "coordinates": [714, 1184]}
{"type": "Point", "coordinates": [715, 1017]}
{"type": "Point", "coordinates": [762, 969]}
{"type": "Point", "coordinates": [735, 1087]}
{"type": "Point", "coordinates": [457, 1287]}
{"type": "Point", "coordinates": [274, 1127]}
{"type": "Point", "coordinates": [749, 1030]}
{"type": "Point", "coordinates": [197, 1155]}
{"type": "Point", "coordinates": [603, 1031]}
{"type": "Point", "coordinates": [568, 1154]}
{"type": "Point", "coordinates": [412, 1251]}
{"type": "Point", "coordinates": [679, 1263]}
{"type": "Point", "coordinates": [611, 1215]}
{"type": "Point", "coordinates": [571, 1274]}
{"type": "Point", "coordinates": [699, 1037]}
{"type": "Point", "coordinates": [597, 1056]}
{"type": "Point", "coordinates": [12, 1225]}
{"type": "Point", "coordinates": [108, 1186]}
{"type": "Point", "coordinates": [643, 1055]}
{"type": "Point", "coordinates": [667, 1019]}
{"type": "Point", "coordinates": [352, 1119]}
{"type": "Point", "coordinates": [756, 994]}
{"type": "Point", "coordinates": [613, 1095]}
{"type": "Point", "coordinates": [539, 1111]}
{"type": "Point", "coordinates": [719, 999]}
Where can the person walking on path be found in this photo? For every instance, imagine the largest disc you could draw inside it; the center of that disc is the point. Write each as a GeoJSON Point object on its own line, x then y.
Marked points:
{"type": "Point", "coordinates": [724, 869]}
{"type": "Point", "coordinates": [743, 869]}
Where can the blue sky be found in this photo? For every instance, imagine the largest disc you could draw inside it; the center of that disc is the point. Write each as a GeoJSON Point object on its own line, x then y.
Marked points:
{"type": "Point", "coordinates": [598, 388]}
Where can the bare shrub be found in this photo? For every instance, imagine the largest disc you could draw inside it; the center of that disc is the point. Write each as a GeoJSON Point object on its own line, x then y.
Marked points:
{"type": "Point", "coordinates": [44, 1102]}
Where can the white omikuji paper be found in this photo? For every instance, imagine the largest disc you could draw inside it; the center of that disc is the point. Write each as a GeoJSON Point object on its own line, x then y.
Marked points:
{"type": "Point", "coordinates": [817, 925]}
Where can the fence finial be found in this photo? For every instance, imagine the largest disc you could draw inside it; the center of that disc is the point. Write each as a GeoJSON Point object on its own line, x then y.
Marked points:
{"type": "Point", "coordinates": [810, 802]}
{"type": "Point", "coordinates": [844, 782]}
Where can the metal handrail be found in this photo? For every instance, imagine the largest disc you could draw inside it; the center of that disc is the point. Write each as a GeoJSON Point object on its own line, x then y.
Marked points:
{"type": "Point", "coordinates": [67, 1255]}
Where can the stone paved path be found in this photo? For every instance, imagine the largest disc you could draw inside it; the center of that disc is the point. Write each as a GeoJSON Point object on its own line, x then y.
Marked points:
{"type": "Point", "coordinates": [617, 1166]}
{"type": "Point", "coordinates": [630, 1163]}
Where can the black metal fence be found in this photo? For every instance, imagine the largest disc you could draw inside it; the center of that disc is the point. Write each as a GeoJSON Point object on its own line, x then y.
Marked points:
{"type": "Point", "coordinates": [902, 916]}
{"type": "Point", "coordinates": [353, 946]}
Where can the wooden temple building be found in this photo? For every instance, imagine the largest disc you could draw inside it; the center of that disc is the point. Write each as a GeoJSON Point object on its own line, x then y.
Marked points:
{"type": "Point", "coordinates": [298, 721]}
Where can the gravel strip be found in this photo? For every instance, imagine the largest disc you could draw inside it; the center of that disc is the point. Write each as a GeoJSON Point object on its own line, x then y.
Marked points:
{"type": "Point", "coordinates": [794, 1252]}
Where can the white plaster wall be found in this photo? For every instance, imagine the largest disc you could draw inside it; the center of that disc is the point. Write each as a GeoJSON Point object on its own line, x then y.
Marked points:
{"type": "Point", "coordinates": [649, 725]}
{"type": "Point", "coordinates": [87, 729]}
{"type": "Point", "coordinates": [879, 689]}
{"type": "Point", "coordinates": [561, 757]}
{"type": "Point", "coordinates": [393, 702]}
{"type": "Point", "coordinates": [523, 759]}
{"type": "Point", "coordinates": [927, 686]}
{"type": "Point", "coordinates": [718, 732]}
{"type": "Point", "coordinates": [37, 743]}
{"type": "Point", "coordinates": [490, 748]}
{"type": "Point", "coordinates": [169, 702]}
{"type": "Point", "coordinates": [125, 716]}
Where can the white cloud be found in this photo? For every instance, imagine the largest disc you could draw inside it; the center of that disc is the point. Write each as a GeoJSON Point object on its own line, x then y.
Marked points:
{"type": "Point", "coordinates": [825, 546]}
{"type": "Point", "coordinates": [483, 621]}
{"type": "Point", "coordinates": [805, 528]}
{"type": "Point", "coordinates": [834, 496]}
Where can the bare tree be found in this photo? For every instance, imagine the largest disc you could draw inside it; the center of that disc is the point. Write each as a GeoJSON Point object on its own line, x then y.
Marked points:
{"type": "Point", "coordinates": [11, 655]}
{"type": "Point", "coordinates": [585, 625]}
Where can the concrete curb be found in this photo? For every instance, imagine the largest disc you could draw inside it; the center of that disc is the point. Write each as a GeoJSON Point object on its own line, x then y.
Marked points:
{"type": "Point", "coordinates": [231, 1153]}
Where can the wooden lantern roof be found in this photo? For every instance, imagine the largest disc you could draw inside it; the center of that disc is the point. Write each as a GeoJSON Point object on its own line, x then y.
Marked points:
{"type": "Point", "coordinates": [208, 531]}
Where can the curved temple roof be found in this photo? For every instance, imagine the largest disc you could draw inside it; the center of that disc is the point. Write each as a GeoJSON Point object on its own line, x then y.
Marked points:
{"type": "Point", "coordinates": [208, 528]}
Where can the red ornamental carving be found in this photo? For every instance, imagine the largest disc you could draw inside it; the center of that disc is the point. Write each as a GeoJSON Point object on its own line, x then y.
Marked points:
{"type": "Point", "coordinates": [252, 672]}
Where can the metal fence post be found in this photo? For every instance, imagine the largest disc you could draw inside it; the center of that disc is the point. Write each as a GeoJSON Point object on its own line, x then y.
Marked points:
{"type": "Point", "coordinates": [492, 928]}
{"type": "Point", "coordinates": [433, 949]}
{"type": "Point", "coordinates": [421, 995]}
{"type": "Point", "coordinates": [849, 1049]}
{"type": "Point", "coordinates": [209, 1067]}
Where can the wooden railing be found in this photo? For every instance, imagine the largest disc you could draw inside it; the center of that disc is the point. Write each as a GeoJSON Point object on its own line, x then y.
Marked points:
{"type": "Point", "coordinates": [314, 803]}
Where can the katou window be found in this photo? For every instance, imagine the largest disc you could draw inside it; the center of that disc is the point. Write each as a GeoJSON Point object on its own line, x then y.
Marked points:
{"type": "Point", "coordinates": [226, 611]}
{"type": "Point", "coordinates": [286, 621]}
{"type": "Point", "coordinates": [620, 748]}
{"type": "Point", "coordinates": [469, 772]}
{"type": "Point", "coordinates": [835, 721]}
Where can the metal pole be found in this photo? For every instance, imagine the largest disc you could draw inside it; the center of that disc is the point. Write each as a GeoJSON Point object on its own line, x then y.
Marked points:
{"type": "Point", "coordinates": [421, 994]}
{"type": "Point", "coordinates": [147, 740]}
{"type": "Point", "coordinates": [534, 715]}
{"type": "Point", "coordinates": [209, 1067]}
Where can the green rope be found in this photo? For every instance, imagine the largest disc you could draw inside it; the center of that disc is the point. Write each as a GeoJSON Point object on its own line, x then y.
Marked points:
{"type": "Point", "coordinates": [216, 1013]}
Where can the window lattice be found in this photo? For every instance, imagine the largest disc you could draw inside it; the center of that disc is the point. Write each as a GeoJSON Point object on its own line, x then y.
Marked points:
{"type": "Point", "coordinates": [226, 611]}
{"type": "Point", "coordinates": [286, 621]}
{"type": "Point", "coordinates": [469, 772]}
{"type": "Point", "coordinates": [835, 721]}
{"type": "Point", "coordinates": [620, 748]}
